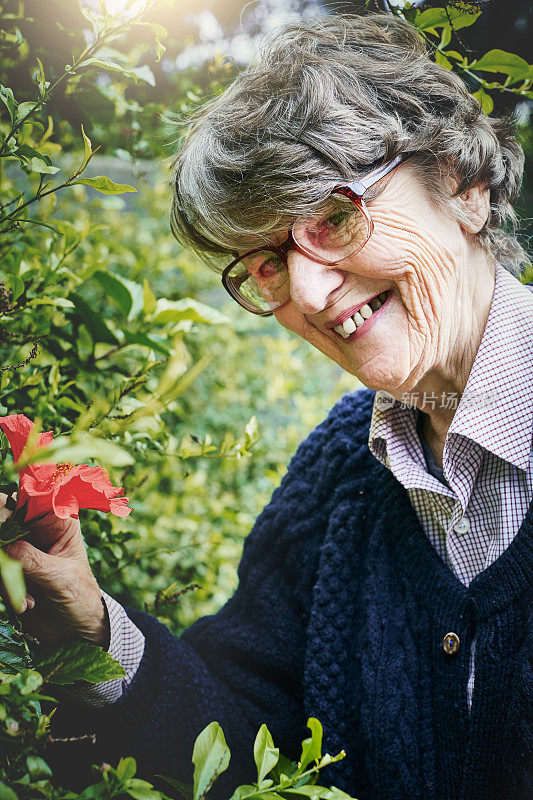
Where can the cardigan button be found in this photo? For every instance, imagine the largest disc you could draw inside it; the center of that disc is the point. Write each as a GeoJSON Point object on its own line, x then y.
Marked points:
{"type": "Point", "coordinates": [451, 643]}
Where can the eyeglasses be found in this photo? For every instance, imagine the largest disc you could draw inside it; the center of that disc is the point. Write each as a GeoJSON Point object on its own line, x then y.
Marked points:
{"type": "Point", "coordinates": [259, 280]}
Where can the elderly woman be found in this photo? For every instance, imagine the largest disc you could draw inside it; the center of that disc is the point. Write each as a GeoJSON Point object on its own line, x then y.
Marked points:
{"type": "Point", "coordinates": [355, 190]}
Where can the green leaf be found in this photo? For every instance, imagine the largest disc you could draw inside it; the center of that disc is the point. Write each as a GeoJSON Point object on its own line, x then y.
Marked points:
{"type": "Point", "coordinates": [80, 446]}
{"type": "Point", "coordinates": [250, 791]}
{"type": "Point", "coordinates": [116, 290]}
{"type": "Point", "coordinates": [145, 341]}
{"type": "Point", "coordinates": [105, 185]}
{"type": "Point", "coordinates": [160, 33]}
{"type": "Point", "coordinates": [61, 302]}
{"type": "Point", "coordinates": [442, 61]}
{"type": "Point", "coordinates": [126, 768]}
{"type": "Point", "coordinates": [183, 788]}
{"type": "Point", "coordinates": [486, 101]}
{"type": "Point", "coordinates": [336, 794]}
{"type": "Point", "coordinates": [12, 650]}
{"type": "Point", "coordinates": [265, 754]}
{"type": "Point", "coordinates": [29, 152]}
{"type": "Point", "coordinates": [134, 73]}
{"type": "Point", "coordinates": [10, 531]}
{"type": "Point", "coordinates": [143, 73]}
{"type": "Point", "coordinates": [327, 759]}
{"type": "Point", "coordinates": [312, 748]}
{"type": "Point", "coordinates": [6, 793]}
{"type": "Point", "coordinates": [141, 790]}
{"type": "Point", "coordinates": [41, 78]}
{"type": "Point", "coordinates": [78, 661]}
{"type": "Point", "coordinates": [38, 768]}
{"type": "Point", "coordinates": [87, 149]}
{"type": "Point", "coordinates": [438, 18]}
{"type": "Point", "coordinates": [251, 432]}
{"type": "Point", "coordinates": [187, 308]}
{"type": "Point", "coordinates": [28, 681]}
{"type": "Point", "coordinates": [211, 757]}
{"type": "Point", "coordinates": [136, 291]}
{"type": "Point", "coordinates": [284, 767]}
{"type": "Point", "coordinates": [508, 63]}
{"type": "Point", "coordinates": [7, 97]}
{"type": "Point", "coordinates": [13, 580]}
{"type": "Point", "coordinates": [40, 166]}
{"type": "Point", "coordinates": [15, 283]}
{"type": "Point", "coordinates": [149, 298]}
{"type": "Point", "coordinates": [24, 110]}
{"type": "Point", "coordinates": [93, 321]}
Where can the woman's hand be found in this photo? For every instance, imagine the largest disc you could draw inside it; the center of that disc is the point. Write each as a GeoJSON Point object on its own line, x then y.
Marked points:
{"type": "Point", "coordinates": [64, 600]}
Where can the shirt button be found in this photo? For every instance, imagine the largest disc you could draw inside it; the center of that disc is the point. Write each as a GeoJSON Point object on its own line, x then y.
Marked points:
{"type": "Point", "coordinates": [451, 643]}
{"type": "Point", "coordinates": [462, 526]}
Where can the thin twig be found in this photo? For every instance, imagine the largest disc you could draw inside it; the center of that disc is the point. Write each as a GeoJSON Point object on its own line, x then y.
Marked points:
{"type": "Point", "coordinates": [87, 737]}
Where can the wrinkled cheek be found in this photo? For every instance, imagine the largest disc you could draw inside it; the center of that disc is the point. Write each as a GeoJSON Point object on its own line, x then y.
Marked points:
{"type": "Point", "coordinates": [286, 317]}
{"type": "Point", "coordinates": [292, 319]}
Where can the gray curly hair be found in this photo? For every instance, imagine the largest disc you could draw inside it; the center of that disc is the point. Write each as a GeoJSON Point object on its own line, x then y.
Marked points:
{"type": "Point", "coordinates": [326, 99]}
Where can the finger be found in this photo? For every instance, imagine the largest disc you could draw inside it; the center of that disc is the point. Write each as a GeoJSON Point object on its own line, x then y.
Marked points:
{"type": "Point", "coordinates": [50, 530]}
{"type": "Point", "coordinates": [39, 567]}
{"type": "Point", "coordinates": [8, 501]}
{"type": "Point", "coordinates": [27, 604]}
{"type": "Point", "coordinates": [5, 512]}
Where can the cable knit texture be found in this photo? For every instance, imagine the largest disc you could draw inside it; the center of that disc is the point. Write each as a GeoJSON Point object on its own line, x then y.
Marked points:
{"type": "Point", "coordinates": [340, 614]}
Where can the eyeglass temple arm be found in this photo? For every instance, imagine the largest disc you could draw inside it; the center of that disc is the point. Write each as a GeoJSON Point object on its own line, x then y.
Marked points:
{"type": "Point", "coordinates": [360, 186]}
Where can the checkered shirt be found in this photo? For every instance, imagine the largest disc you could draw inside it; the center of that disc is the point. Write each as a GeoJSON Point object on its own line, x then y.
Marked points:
{"type": "Point", "coordinates": [488, 454]}
{"type": "Point", "coordinates": [488, 463]}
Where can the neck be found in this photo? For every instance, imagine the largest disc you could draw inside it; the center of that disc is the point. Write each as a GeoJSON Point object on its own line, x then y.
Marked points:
{"type": "Point", "coordinates": [447, 379]}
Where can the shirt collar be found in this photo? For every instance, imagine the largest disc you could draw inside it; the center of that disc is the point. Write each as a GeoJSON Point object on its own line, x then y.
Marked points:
{"type": "Point", "coordinates": [501, 376]}
{"type": "Point", "coordinates": [500, 381]}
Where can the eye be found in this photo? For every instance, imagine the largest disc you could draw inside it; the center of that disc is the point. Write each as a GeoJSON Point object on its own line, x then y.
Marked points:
{"type": "Point", "coordinates": [268, 268]}
{"type": "Point", "coordinates": [335, 219]}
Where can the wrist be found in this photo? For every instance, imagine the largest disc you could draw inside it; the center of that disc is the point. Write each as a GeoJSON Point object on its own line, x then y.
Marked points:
{"type": "Point", "coordinates": [101, 634]}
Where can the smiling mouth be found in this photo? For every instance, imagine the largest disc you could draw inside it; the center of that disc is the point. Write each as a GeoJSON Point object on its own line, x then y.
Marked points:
{"type": "Point", "coordinates": [352, 323]}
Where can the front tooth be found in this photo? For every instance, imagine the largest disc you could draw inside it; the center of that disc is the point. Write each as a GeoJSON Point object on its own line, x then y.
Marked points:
{"type": "Point", "coordinates": [358, 319]}
{"type": "Point", "coordinates": [340, 330]}
{"type": "Point", "coordinates": [349, 326]}
{"type": "Point", "coordinates": [365, 311]}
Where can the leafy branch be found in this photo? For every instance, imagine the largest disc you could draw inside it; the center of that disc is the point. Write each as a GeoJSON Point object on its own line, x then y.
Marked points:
{"type": "Point", "coordinates": [442, 24]}
{"type": "Point", "coordinates": [106, 28]}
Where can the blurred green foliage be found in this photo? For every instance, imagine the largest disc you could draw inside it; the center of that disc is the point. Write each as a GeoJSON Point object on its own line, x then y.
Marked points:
{"type": "Point", "coordinates": [112, 335]}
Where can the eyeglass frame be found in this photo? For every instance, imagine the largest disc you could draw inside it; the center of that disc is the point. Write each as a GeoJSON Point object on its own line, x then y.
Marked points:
{"type": "Point", "coordinates": [354, 191]}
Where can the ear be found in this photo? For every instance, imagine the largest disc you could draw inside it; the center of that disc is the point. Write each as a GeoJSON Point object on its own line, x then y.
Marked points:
{"type": "Point", "coordinates": [475, 203]}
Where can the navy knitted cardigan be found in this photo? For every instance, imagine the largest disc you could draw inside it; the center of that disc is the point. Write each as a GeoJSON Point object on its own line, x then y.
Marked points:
{"type": "Point", "coordinates": [340, 614]}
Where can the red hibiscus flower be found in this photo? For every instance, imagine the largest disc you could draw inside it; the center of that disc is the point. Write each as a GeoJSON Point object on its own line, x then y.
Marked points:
{"type": "Point", "coordinates": [60, 488]}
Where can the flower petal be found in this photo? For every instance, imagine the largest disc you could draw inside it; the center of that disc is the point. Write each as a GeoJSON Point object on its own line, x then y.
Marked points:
{"type": "Point", "coordinates": [17, 428]}
{"type": "Point", "coordinates": [38, 505]}
{"type": "Point", "coordinates": [61, 488]}
{"type": "Point", "coordinates": [86, 495]}
{"type": "Point", "coordinates": [119, 507]}
{"type": "Point", "coordinates": [65, 504]}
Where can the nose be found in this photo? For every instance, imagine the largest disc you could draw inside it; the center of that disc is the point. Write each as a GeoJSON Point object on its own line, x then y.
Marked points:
{"type": "Point", "coordinates": [311, 284]}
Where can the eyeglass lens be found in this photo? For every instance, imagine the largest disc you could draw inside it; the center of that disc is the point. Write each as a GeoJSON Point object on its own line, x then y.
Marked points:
{"type": "Point", "coordinates": [337, 230]}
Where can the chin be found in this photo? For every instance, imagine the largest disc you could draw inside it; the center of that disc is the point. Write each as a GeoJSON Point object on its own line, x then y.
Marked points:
{"type": "Point", "coordinates": [377, 381]}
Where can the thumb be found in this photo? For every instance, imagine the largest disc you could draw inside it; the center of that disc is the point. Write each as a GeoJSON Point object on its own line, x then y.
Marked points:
{"type": "Point", "coordinates": [41, 568]}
